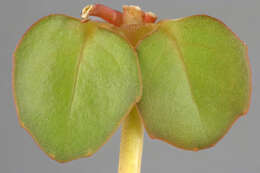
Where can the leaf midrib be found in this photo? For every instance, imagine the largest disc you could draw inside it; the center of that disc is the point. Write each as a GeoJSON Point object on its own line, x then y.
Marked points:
{"type": "Point", "coordinates": [87, 36]}
{"type": "Point", "coordinates": [177, 47]}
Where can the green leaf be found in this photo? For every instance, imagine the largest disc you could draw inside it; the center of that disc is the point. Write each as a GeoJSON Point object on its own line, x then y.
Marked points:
{"type": "Point", "coordinates": [196, 81]}
{"type": "Point", "coordinates": [73, 84]}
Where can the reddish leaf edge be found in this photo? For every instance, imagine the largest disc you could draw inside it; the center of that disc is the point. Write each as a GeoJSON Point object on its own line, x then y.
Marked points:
{"type": "Point", "coordinates": [238, 116]}
{"type": "Point", "coordinates": [138, 98]}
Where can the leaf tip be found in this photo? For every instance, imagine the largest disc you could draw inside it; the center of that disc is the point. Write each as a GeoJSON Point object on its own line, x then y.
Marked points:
{"type": "Point", "coordinates": [195, 149]}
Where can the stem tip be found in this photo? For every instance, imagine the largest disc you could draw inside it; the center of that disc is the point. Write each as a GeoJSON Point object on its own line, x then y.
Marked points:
{"type": "Point", "coordinates": [86, 12]}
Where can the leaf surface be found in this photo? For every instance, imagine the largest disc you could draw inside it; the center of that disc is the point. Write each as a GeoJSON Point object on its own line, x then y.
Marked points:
{"type": "Point", "coordinates": [196, 81]}
{"type": "Point", "coordinates": [73, 84]}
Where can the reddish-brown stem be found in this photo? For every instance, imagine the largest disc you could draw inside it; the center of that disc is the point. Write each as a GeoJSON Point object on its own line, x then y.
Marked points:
{"type": "Point", "coordinates": [131, 14]}
{"type": "Point", "coordinates": [108, 14]}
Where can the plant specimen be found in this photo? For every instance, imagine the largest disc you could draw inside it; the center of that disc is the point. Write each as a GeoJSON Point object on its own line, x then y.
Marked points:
{"type": "Point", "coordinates": [186, 80]}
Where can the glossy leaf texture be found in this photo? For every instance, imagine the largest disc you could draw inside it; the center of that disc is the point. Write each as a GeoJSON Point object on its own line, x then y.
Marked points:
{"type": "Point", "coordinates": [73, 83]}
{"type": "Point", "coordinates": [196, 81]}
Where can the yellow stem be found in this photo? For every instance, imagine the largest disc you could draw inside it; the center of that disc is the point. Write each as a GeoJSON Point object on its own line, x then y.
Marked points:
{"type": "Point", "coordinates": [131, 146]}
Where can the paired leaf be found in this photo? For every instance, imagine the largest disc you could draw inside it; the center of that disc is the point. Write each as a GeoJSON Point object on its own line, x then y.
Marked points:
{"type": "Point", "coordinates": [73, 84]}
{"type": "Point", "coordinates": [196, 81]}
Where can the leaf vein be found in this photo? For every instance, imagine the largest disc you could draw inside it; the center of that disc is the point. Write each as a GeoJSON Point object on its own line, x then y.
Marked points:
{"type": "Point", "coordinates": [177, 47]}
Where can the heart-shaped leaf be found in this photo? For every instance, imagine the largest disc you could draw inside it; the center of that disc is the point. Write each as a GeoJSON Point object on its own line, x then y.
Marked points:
{"type": "Point", "coordinates": [196, 81]}
{"type": "Point", "coordinates": [73, 84]}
